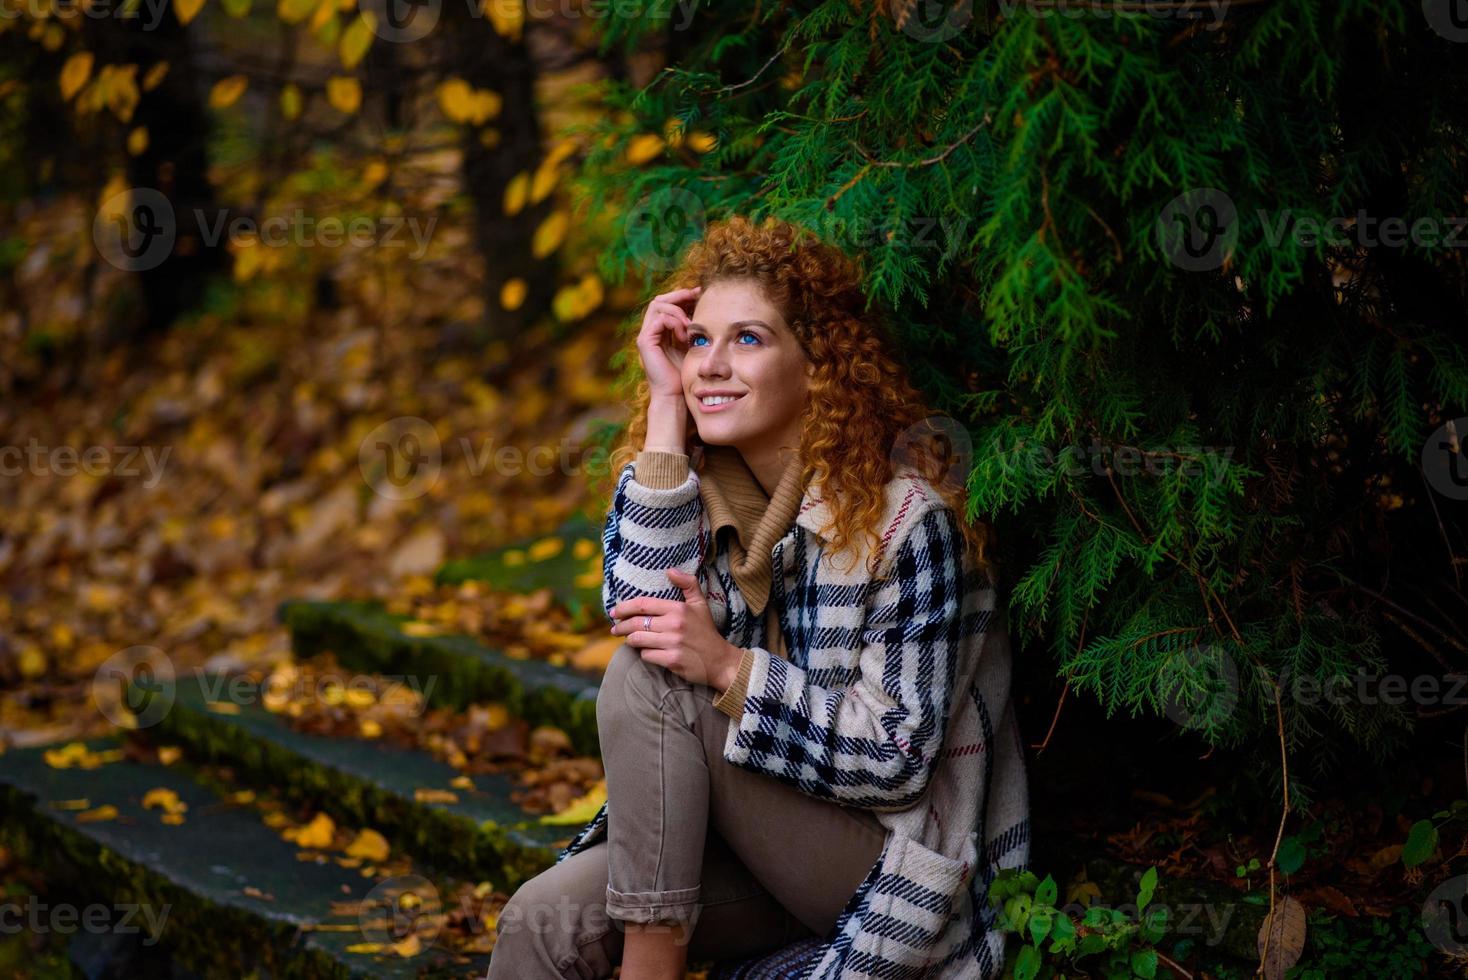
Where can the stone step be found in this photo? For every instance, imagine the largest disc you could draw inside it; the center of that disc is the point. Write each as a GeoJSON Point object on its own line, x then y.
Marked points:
{"type": "Point", "coordinates": [452, 670]}
{"type": "Point", "coordinates": [360, 782]}
{"type": "Point", "coordinates": [222, 891]}
{"type": "Point", "coordinates": [568, 561]}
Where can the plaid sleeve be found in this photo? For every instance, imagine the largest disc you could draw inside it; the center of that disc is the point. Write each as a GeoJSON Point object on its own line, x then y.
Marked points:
{"type": "Point", "coordinates": [649, 530]}
{"type": "Point", "coordinates": [875, 743]}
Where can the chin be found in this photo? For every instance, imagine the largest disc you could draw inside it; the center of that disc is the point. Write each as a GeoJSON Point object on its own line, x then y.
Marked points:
{"type": "Point", "coordinates": [718, 439]}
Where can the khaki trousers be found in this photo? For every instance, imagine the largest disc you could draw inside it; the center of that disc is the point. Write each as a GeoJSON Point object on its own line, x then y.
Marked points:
{"type": "Point", "coordinates": [746, 862]}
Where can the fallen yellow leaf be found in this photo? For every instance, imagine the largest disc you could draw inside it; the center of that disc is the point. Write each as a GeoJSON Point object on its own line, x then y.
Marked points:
{"type": "Point", "coordinates": [164, 798]}
{"type": "Point", "coordinates": [581, 809]}
{"type": "Point", "coordinates": [106, 812]}
{"type": "Point", "coordinates": [370, 845]}
{"type": "Point", "coordinates": [422, 795]}
{"type": "Point", "coordinates": [318, 833]}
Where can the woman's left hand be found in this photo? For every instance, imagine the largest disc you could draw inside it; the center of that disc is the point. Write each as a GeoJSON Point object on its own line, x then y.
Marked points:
{"type": "Point", "coordinates": [683, 637]}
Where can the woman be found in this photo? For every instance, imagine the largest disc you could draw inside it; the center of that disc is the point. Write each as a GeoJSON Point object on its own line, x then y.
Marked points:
{"type": "Point", "coordinates": [807, 734]}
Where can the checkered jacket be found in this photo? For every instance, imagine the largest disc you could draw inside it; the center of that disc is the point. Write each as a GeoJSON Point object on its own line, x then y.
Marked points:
{"type": "Point", "coordinates": [895, 697]}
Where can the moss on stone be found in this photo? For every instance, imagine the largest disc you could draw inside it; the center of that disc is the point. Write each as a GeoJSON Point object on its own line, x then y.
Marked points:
{"type": "Point", "coordinates": [365, 637]}
{"type": "Point", "coordinates": [508, 853]}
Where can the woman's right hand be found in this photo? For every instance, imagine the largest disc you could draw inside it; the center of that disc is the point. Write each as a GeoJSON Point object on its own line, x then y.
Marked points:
{"type": "Point", "coordinates": [663, 340]}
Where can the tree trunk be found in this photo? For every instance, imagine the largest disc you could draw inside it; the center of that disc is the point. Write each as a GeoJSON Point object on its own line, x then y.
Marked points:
{"type": "Point", "coordinates": [486, 60]}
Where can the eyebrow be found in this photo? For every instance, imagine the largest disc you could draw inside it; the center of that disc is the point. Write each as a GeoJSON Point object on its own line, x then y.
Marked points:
{"type": "Point", "coordinates": [739, 323]}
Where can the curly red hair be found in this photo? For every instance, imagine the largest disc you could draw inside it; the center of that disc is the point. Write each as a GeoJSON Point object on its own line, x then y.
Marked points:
{"type": "Point", "coordinates": [860, 401]}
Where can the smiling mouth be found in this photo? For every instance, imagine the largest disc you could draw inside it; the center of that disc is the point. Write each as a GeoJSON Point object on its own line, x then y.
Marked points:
{"type": "Point", "coordinates": [718, 403]}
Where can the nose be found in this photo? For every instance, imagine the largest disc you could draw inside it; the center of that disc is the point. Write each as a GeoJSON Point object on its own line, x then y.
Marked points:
{"type": "Point", "coordinates": [715, 362]}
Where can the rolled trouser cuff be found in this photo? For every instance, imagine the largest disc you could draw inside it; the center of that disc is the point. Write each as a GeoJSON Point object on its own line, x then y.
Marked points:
{"type": "Point", "coordinates": [674, 905]}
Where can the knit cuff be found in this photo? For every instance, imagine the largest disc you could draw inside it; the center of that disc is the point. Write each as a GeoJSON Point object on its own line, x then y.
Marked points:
{"type": "Point", "coordinates": [731, 702]}
{"type": "Point", "coordinates": [660, 469]}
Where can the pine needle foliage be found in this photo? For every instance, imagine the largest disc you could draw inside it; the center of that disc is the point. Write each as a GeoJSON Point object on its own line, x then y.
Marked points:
{"type": "Point", "coordinates": [1201, 469]}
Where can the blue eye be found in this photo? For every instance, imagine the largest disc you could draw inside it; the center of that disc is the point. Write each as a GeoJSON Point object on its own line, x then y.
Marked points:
{"type": "Point", "coordinates": [694, 340]}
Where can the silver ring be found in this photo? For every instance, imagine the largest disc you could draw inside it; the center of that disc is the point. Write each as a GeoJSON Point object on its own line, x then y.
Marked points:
{"type": "Point", "coordinates": [647, 624]}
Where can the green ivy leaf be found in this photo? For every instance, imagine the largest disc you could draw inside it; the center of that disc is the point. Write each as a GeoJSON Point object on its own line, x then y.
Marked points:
{"type": "Point", "coordinates": [1147, 887]}
{"type": "Point", "coordinates": [1040, 924]}
{"type": "Point", "coordinates": [1144, 963]}
{"type": "Point", "coordinates": [1046, 892]}
{"type": "Point", "coordinates": [1291, 855]}
{"type": "Point", "coordinates": [1027, 964]}
{"type": "Point", "coordinates": [1154, 924]}
{"type": "Point", "coordinates": [1017, 911]}
{"type": "Point", "coordinates": [1062, 929]}
{"type": "Point", "coordinates": [1421, 842]}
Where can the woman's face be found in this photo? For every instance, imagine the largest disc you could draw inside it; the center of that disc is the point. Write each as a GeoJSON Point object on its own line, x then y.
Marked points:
{"type": "Point", "coordinates": [739, 344]}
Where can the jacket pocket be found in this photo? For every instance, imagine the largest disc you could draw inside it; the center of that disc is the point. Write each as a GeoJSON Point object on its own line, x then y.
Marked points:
{"type": "Point", "coordinates": [919, 905]}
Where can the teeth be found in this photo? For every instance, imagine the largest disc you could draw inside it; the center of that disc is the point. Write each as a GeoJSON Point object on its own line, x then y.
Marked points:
{"type": "Point", "coordinates": [719, 399]}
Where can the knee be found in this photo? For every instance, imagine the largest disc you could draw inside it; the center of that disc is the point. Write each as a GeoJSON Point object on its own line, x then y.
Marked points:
{"type": "Point", "coordinates": [627, 688]}
{"type": "Point", "coordinates": [549, 917]}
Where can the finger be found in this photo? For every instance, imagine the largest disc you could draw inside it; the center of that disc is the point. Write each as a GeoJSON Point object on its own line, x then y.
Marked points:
{"type": "Point", "coordinates": [642, 605]}
{"type": "Point", "coordinates": [644, 640]}
{"type": "Point", "coordinates": [633, 624]}
{"type": "Point", "coordinates": [655, 657]}
{"type": "Point", "coordinates": [673, 309]}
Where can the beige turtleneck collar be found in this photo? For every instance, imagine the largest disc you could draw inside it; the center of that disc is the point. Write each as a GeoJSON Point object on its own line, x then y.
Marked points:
{"type": "Point", "coordinates": [733, 497]}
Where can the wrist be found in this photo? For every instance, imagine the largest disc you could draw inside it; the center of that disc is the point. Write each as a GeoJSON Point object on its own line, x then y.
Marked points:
{"type": "Point", "coordinates": [667, 425]}
{"type": "Point", "coordinates": [732, 656]}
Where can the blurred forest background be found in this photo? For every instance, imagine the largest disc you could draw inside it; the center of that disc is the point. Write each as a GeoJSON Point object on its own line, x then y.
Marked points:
{"type": "Point", "coordinates": [310, 321]}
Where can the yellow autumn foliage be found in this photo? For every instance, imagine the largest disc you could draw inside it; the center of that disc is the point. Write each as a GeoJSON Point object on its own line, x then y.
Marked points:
{"type": "Point", "coordinates": [187, 10]}
{"type": "Point", "coordinates": [581, 809]}
{"type": "Point", "coordinates": [344, 94]}
{"type": "Point", "coordinates": [515, 192]}
{"type": "Point", "coordinates": [551, 233]}
{"type": "Point", "coordinates": [643, 148]}
{"type": "Point", "coordinates": [512, 294]}
{"type": "Point", "coordinates": [227, 91]}
{"type": "Point", "coordinates": [74, 73]}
